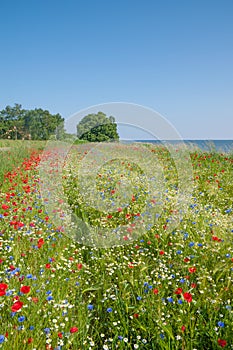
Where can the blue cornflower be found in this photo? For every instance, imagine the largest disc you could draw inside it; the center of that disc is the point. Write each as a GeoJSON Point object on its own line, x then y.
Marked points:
{"type": "Point", "coordinates": [180, 301]}
{"type": "Point", "coordinates": [139, 298]}
{"type": "Point", "coordinates": [9, 292]}
{"type": "Point", "coordinates": [90, 307]}
{"type": "Point", "coordinates": [120, 337]}
{"type": "Point", "coordinates": [191, 244]}
{"type": "Point", "coordinates": [221, 324]}
{"type": "Point", "coordinates": [29, 275]}
{"type": "Point", "coordinates": [162, 336]}
{"type": "Point", "coordinates": [109, 309]}
{"type": "Point", "coordinates": [182, 280]}
{"type": "Point", "coordinates": [179, 252]}
{"type": "Point", "coordinates": [47, 330]}
{"type": "Point", "coordinates": [21, 318]}
{"type": "Point", "coordinates": [2, 338]}
{"type": "Point", "coordinates": [49, 298]}
{"type": "Point", "coordinates": [170, 300]}
{"type": "Point", "coordinates": [31, 328]}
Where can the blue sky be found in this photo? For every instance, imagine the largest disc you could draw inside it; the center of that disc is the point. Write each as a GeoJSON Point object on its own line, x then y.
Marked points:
{"type": "Point", "coordinates": [175, 57]}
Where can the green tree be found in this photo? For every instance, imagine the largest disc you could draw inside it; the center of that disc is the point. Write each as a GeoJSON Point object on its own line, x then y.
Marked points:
{"type": "Point", "coordinates": [37, 124]}
{"type": "Point", "coordinates": [11, 122]}
{"type": "Point", "coordinates": [40, 124]}
{"type": "Point", "coordinates": [97, 128]}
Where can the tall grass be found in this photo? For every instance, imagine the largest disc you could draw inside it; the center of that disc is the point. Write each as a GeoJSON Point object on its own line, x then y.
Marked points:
{"type": "Point", "coordinates": [12, 154]}
{"type": "Point", "coordinates": [163, 291]}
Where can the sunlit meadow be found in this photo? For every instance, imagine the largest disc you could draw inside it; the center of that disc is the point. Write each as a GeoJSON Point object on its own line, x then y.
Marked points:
{"type": "Point", "coordinates": [160, 289]}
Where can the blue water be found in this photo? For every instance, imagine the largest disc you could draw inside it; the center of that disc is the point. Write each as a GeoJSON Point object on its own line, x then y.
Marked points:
{"type": "Point", "coordinates": [204, 145]}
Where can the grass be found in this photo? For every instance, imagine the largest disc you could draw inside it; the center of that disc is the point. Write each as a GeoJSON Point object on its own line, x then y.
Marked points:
{"type": "Point", "coordinates": [160, 288]}
{"type": "Point", "coordinates": [12, 153]}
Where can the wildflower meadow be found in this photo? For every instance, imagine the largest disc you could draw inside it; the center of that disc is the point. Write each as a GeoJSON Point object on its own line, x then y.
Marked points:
{"type": "Point", "coordinates": [166, 285]}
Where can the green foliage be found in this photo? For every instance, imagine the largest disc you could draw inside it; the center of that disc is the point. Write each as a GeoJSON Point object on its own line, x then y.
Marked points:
{"type": "Point", "coordinates": [97, 128]}
{"type": "Point", "coordinates": [38, 124]}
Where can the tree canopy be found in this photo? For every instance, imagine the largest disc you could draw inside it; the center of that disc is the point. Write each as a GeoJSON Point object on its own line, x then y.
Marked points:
{"type": "Point", "coordinates": [36, 124]}
{"type": "Point", "coordinates": [97, 128]}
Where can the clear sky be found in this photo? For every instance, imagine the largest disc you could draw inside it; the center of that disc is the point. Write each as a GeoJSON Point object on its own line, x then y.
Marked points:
{"type": "Point", "coordinates": [174, 56]}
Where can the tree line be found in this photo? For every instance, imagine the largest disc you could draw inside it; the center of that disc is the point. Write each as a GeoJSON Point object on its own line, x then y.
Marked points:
{"type": "Point", "coordinates": [36, 124]}
{"type": "Point", "coordinates": [17, 123]}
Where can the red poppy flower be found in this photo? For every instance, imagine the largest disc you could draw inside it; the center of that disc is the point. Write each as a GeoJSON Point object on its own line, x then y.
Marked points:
{"type": "Point", "coordinates": [40, 242]}
{"type": "Point", "coordinates": [16, 306]}
{"type": "Point", "coordinates": [161, 252]}
{"type": "Point", "coordinates": [178, 291]}
{"type": "Point", "coordinates": [192, 269]}
{"type": "Point", "coordinates": [3, 288]}
{"type": "Point", "coordinates": [222, 343]}
{"type": "Point", "coordinates": [155, 291]}
{"type": "Point", "coordinates": [25, 289]}
{"type": "Point", "coordinates": [73, 329]}
{"type": "Point", "coordinates": [215, 238]}
{"type": "Point", "coordinates": [35, 300]}
{"type": "Point", "coordinates": [183, 328]}
{"type": "Point", "coordinates": [188, 297]}
{"type": "Point", "coordinates": [79, 266]}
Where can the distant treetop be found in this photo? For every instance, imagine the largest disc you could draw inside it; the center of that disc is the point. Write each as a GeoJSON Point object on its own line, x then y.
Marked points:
{"type": "Point", "coordinates": [97, 128]}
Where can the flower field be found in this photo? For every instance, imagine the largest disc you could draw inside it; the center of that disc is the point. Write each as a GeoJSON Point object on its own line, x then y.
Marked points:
{"type": "Point", "coordinates": [165, 287]}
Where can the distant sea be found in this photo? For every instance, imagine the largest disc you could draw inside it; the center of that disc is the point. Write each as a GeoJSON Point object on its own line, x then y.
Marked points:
{"type": "Point", "coordinates": [225, 146]}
